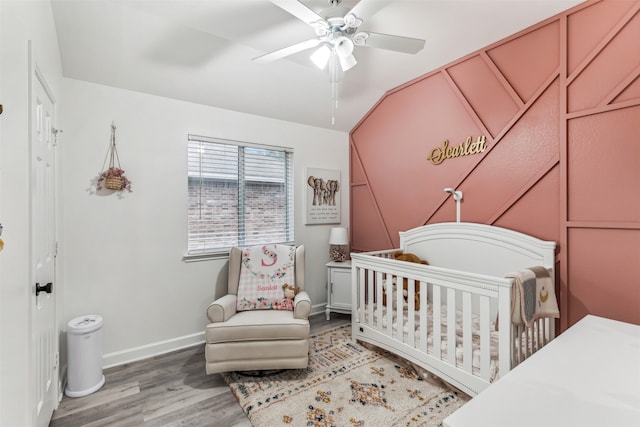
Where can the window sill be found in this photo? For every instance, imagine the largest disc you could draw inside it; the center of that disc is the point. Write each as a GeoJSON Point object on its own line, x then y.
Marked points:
{"type": "Point", "coordinates": [205, 257]}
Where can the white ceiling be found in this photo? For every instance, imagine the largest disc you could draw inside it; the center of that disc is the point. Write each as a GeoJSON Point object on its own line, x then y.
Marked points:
{"type": "Point", "coordinates": [200, 50]}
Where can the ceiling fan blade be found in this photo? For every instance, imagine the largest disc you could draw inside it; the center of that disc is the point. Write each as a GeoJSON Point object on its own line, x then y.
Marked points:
{"type": "Point", "coordinates": [290, 50]}
{"type": "Point", "coordinates": [367, 8]}
{"type": "Point", "coordinates": [298, 10]}
{"type": "Point", "coordinates": [397, 43]}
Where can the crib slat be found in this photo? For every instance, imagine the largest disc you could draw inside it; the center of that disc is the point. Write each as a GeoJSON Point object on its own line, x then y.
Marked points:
{"type": "Point", "coordinates": [375, 279]}
{"type": "Point", "coordinates": [437, 327]}
{"type": "Point", "coordinates": [379, 306]}
{"type": "Point", "coordinates": [389, 317]}
{"type": "Point", "coordinates": [467, 339]}
{"type": "Point", "coordinates": [505, 344]}
{"type": "Point", "coordinates": [370, 297]}
{"type": "Point", "coordinates": [514, 350]}
{"type": "Point", "coordinates": [451, 326]}
{"type": "Point", "coordinates": [424, 320]}
{"type": "Point", "coordinates": [399, 309]}
{"type": "Point", "coordinates": [360, 302]}
{"type": "Point", "coordinates": [549, 330]}
{"type": "Point", "coordinates": [485, 340]}
{"type": "Point", "coordinates": [411, 320]}
{"type": "Point", "coordinates": [522, 342]}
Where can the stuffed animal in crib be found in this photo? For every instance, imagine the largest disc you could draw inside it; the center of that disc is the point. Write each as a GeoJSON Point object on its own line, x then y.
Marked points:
{"type": "Point", "coordinates": [409, 257]}
{"type": "Point", "coordinates": [290, 293]}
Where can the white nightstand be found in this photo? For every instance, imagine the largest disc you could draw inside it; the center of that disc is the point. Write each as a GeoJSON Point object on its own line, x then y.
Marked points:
{"type": "Point", "coordinates": [338, 287]}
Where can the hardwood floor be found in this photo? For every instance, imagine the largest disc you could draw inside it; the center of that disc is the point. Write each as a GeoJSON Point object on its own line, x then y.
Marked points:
{"type": "Point", "coordinates": [167, 390]}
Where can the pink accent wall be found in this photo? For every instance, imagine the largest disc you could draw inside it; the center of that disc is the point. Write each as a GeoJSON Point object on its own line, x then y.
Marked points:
{"type": "Point", "coordinates": [559, 105]}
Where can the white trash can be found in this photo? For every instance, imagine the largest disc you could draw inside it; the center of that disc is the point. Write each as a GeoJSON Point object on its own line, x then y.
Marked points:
{"type": "Point", "coordinates": [84, 355]}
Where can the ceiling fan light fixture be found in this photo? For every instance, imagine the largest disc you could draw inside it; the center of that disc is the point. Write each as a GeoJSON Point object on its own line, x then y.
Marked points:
{"type": "Point", "coordinates": [347, 62]}
{"type": "Point", "coordinates": [321, 56]}
{"type": "Point", "coordinates": [343, 46]}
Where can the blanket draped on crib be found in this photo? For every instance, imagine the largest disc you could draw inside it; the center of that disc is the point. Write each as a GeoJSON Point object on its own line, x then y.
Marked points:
{"type": "Point", "coordinates": [533, 296]}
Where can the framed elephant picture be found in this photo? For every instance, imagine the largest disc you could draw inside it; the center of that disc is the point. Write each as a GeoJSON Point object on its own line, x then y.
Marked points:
{"type": "Point", "coordinates": [322, 201]}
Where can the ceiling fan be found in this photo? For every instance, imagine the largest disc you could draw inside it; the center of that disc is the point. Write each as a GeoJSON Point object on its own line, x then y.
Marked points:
{"type": "Point", "coordinates": [337, 33]}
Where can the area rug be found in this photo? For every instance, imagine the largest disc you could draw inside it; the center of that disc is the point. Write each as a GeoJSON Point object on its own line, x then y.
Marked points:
{"type": "Point", "coordinates": [345, 384]}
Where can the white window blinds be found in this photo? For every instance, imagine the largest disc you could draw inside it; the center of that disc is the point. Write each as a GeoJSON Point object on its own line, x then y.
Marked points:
{"type": "Point", "coordinates": [239, 195]}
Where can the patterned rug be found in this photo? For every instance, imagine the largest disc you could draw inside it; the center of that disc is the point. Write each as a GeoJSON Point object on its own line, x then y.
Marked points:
{"type": "Point", "coordinates": [345, 384]}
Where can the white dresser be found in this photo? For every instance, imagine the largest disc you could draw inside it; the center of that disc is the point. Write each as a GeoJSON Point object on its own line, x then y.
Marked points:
{"type": "Point", "coordinates": [589, 376]}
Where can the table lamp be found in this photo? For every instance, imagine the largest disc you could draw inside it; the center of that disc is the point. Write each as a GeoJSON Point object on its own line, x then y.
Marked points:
{"type": "Point", "coordinates": [338, 244]}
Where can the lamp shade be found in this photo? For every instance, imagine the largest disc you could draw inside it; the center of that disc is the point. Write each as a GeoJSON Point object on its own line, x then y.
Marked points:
{"type": "Point", "coordinates": [321, 56]}
{"type": "Point", "coordinates": [343, 46]}
{"type": "Point", "coordinates": [338, 236]}
{"type": "Point", "coordinates": [347, 62]}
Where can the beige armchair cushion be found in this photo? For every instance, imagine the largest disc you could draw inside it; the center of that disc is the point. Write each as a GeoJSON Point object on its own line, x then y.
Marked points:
{"type": "Point", "coordinates": [255, 326]}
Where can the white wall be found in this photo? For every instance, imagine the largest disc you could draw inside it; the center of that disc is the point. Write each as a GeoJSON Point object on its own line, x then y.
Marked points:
{"type": "Point", "coordinates": [20, 21]}
{"type": "Point", "coordinates": [123, 255]}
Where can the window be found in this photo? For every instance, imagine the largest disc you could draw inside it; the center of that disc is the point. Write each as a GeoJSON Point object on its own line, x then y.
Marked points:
{"type": "Point", "coordinates": [239, 195]}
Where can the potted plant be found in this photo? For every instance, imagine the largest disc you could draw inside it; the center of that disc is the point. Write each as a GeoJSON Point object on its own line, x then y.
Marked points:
{"type": "Point", "coordinates": [113, 178]}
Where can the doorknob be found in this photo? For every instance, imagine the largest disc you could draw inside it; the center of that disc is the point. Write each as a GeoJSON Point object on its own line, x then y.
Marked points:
{"type": "Point", "coordinates": [48, 288]}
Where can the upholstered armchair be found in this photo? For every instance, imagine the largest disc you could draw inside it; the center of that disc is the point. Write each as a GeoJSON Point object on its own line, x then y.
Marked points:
{"type": "Point", "coordinates": [257, 339]}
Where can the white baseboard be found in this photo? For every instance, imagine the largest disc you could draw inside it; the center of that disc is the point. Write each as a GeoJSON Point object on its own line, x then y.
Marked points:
{"type": "Point", "coordinates": [318, 308]}
{"type": "Point", "coordinates": [149, 350]}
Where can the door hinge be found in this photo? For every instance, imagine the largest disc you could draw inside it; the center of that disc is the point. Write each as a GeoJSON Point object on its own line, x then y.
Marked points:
{"type": "Point", "coordinates": [55, 249]}
{"type": "Point", "coordinates": [55, 135]}
{"type": "Point", "coordinates": [56, 360]}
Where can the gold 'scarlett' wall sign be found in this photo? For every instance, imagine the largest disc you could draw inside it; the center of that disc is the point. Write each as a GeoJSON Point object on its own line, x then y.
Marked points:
{"type": "Point", "coordinates": [440, 154]}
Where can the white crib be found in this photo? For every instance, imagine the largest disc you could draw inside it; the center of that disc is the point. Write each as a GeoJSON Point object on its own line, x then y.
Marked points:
{"type": "Point", "coordinates": [459, 296]}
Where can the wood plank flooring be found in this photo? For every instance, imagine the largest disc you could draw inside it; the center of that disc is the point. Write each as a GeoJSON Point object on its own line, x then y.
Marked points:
{"type": "Point", "coordinates": [167, 390]}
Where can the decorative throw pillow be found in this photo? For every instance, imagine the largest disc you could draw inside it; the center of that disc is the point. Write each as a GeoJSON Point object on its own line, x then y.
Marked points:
{"type": "Point", "coordinates": [263, 272]}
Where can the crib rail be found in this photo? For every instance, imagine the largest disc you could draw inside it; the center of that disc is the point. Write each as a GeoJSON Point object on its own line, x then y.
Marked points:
{"type": "Point", "coordinates": [421, 325]}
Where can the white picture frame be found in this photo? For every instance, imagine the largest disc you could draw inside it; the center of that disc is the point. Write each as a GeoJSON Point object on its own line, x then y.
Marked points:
{"type": "Point", "coordinates": [322, 196]}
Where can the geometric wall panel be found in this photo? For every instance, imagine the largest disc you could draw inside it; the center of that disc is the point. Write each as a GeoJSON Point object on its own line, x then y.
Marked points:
{"type": "Point", "coordinates": [604, 269]}
{"type": "Point", "coordinates": [632, 91]}
{"type": "Point", "coordinates": [540, 206]}
{"type": "Point", "coordinates": [367, 231]}
{"type": "Point", "coordinates": [604, 166]}
{"type": "Point", "coordinates": [609, 67]}
{"type": "Point", "coordinates": [589, 26]}
{"type": "Point", "coordinates": [524, 65]}
{"type": "Point", "coordinates": [522, 156]}
{"type": "Point", "coordinates": [481, 87]}
{"type": "Point", "coordinates": [356, 172]}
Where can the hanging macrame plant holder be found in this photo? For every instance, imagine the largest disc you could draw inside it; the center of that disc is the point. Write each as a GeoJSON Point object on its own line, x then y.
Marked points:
{"type": "Point", "coordinates": [113, 178]}
{"type": "Point", "coordinates": [113, 182]}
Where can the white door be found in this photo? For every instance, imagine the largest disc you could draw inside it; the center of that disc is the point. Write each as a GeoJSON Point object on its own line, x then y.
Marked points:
{"type": "Point", "coordinates": [44, 339]}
